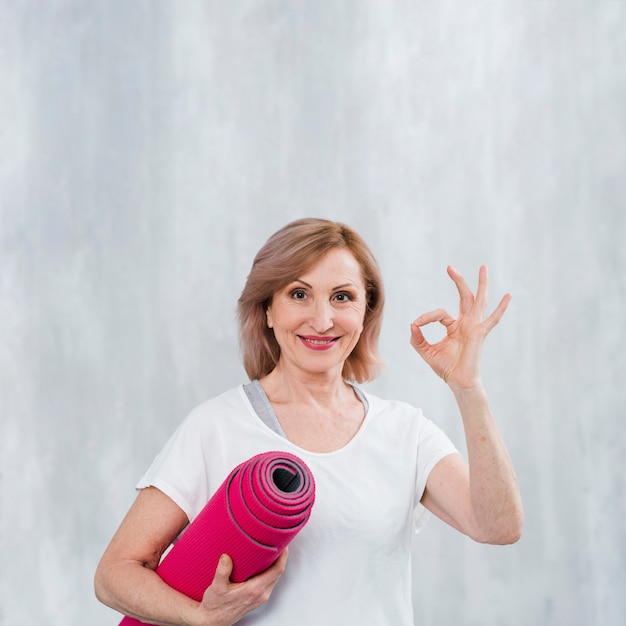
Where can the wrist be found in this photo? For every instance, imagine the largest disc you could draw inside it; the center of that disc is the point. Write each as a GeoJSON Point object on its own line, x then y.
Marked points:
{"type": "Point", "coordinates": [199, 616]}
{"type": "Point", "coordinates": [473, 389]}
{"type": "Point", "coordinates": [205, 616]}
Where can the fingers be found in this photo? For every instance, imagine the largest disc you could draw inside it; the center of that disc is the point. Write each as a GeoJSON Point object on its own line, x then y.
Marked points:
{"type": "Point", "coordinates": [481, 292]}
{"type": "Point", "coordinates": [481, 301]}
{"type": "Point", "coordinates": [418, 341]}
{"type": "Point", "coordinates": [478, 303]}
{"type": "Point", "coordinates": [274, 571]}
{"type": "Point", "coordinates": [278, 568]}
{"type": "Point", "coordinates": [262, 585]}
{"type": "Point", "coordinates": [471, 306]}
{"type": "Point", "coordinates": [438, 315]}
{"type": "Point", "coordinates": [258, 589]}
{"type": "Point", "coordinates": [495, 317]}
{"type": "Point", "coordinates": [225, 569]}
{"type": "Point", "coordinates": [465, 293]}
{"type": "Point", "coordinates": [225, 602]}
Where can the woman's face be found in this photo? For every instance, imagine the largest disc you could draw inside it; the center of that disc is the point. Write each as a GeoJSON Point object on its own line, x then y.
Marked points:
{"type": "Point", "coordinates": [318, 318]}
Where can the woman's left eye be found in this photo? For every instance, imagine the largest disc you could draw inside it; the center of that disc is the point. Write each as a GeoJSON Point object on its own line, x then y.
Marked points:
{"type": "Point", "coordinates": [342, 296]}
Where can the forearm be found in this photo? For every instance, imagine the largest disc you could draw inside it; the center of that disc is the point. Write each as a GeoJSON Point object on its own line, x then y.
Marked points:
{"type": "Point", "coordinates": [495, 497]}
{"type": "Point", "coordinates": [139, 592]}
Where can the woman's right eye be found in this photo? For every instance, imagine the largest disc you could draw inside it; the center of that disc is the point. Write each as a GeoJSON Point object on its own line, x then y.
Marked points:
{"type": "Point", "coordinates": [298, 294]}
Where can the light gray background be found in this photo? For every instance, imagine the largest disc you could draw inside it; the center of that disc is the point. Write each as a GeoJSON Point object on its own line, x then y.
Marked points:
{"type": "Point", "coordinates": [148, 148]}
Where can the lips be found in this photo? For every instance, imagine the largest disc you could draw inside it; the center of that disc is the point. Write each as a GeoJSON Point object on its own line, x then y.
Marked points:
{"type": "Point", "coordinates": [318, 343]}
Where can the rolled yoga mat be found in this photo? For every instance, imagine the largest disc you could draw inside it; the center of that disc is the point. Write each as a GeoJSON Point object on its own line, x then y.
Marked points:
{"type": "Point", "coordinates": [252, 517]}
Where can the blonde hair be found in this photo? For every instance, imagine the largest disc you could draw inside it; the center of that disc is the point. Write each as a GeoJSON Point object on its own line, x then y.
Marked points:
{"type": "Point", "coordinates": [287, 254]}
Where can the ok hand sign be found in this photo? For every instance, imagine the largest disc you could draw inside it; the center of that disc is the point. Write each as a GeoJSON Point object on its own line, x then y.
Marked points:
{"type": "Point", "coordinates": [456, 358]}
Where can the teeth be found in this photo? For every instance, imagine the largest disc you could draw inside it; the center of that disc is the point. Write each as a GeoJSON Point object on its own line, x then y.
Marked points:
{"type": "Point", "coordinates": [320, 341]}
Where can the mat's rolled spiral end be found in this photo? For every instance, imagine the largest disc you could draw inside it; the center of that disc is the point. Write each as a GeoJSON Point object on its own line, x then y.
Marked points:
{"type": "Point", "coordinates": [253, 516]}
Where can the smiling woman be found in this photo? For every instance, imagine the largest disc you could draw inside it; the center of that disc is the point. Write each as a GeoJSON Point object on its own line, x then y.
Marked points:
{"type": "Point", "coordinates": [286, 257]}
{"type": "Point", "coordinates": [319, 315]}
{"type": "Point", "coordinates": [310, 316]}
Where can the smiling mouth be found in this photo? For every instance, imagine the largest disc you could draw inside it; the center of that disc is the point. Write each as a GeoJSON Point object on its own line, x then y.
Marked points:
{"type": "Point", "coordinates": [318, 342]}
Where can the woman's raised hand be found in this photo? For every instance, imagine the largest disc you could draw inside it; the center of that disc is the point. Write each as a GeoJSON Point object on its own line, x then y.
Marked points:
{"type": "Point", "coordinates": [456, 358]}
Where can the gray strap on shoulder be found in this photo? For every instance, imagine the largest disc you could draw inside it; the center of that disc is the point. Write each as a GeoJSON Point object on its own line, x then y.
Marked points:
{"type": "Point", "coordinates": [361, 396]}
{"type": "Point", "coordinates": [262, 406]}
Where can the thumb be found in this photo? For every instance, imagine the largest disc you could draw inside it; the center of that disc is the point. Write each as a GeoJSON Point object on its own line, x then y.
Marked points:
{"type": "Point", "coordinates": [418, 341]}
{"type": "Point", "coordinates": [224, 568]}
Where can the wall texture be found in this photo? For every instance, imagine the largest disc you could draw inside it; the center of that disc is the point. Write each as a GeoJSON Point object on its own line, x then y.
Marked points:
{"type": "Point", "coordinates": [148, 148]}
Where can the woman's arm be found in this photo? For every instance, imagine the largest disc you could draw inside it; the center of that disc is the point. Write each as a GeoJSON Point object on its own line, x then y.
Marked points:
{"type": "Point", "coordinates": [482, 498]}
{"type": "Point", "coordinates": [126, 581]}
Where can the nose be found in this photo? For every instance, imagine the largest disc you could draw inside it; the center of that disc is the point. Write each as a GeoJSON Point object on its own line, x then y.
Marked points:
{"type": "Point", "coordinates": [322, 316]}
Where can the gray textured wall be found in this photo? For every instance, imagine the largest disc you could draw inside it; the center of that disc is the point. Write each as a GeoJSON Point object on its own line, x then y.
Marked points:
{"type": "Point", "coordinates": [149, 147]}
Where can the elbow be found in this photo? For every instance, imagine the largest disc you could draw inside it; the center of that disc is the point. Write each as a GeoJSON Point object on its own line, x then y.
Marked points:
{"type": "Point", "coordinates": [505, 537]}
{"type": "Point", "coordinates": [500, 537]}
{"type": "Point", "coordinates": [515, 531]}
{"type": "Point", "coordinates": [101, 589]}
{"type": "Point", "coordinates": [504, 532]}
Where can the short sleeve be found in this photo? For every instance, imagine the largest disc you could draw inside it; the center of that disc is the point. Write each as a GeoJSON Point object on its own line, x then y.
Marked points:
{"type": "Point", "coordinates": [177, 469]}
{"type": "Point", "coordinates": [433, 445]}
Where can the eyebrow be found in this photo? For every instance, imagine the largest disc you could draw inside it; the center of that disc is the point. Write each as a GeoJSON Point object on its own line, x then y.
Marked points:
{"type": "Point", "coordinates": [299, 280]}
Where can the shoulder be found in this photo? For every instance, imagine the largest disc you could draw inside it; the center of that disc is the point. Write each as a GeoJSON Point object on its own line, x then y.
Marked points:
{"type": "Point", "coordinates": [392, 420]}
{"type": "Point", "coordinates": [226, 411]}
{"type": "Point", "coordinates": [392, 409]}
{"type": "Point", "coordinates": [229, 404]}
{"type": "Point", "coordinates": [228, 417]}
{"type": "Point", "coordinates": [401, 419]}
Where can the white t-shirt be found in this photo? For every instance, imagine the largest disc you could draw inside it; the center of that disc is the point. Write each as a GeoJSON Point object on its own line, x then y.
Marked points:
{"type": "Point", "coordinates": [351, 563]}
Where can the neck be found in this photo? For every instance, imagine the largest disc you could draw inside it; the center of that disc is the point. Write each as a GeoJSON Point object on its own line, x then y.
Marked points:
{"type": "Point", "coordinates": [285, 387]}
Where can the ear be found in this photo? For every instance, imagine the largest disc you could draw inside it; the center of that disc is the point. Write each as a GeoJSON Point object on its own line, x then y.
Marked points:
{"type": "Point", "coordinates": [268, 315]}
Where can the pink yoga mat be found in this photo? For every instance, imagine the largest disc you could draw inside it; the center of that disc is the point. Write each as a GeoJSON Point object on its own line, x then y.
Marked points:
{"type": "Point", "coordinates": [257, 511]}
